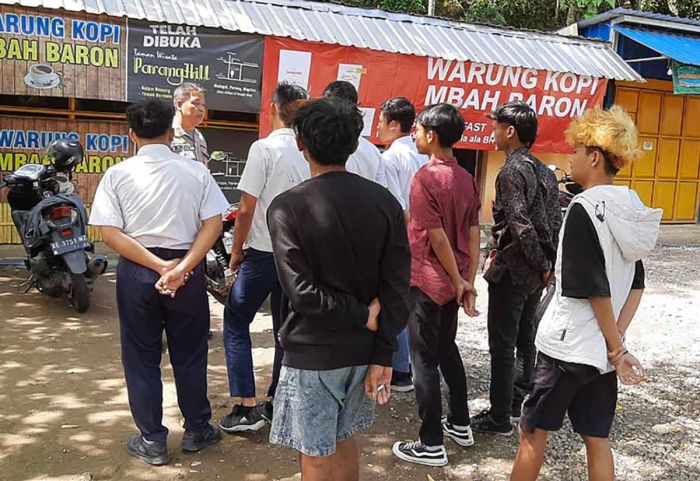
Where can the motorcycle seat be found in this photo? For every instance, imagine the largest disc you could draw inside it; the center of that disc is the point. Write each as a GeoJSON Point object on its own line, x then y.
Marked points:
{"type": "Point", "coordinates": [19, 217]}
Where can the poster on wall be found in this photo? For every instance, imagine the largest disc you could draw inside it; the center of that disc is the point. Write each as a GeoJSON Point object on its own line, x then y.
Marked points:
{"type": "Point", "coordinates": [229, 151]}
{"type": "Point", "coordinates": [161, 57]}
{"type": "Point", "coordinates": [56, 54]}
{"type": "Point", "coordinates": [686, 78]}
{"type": "Point", "coordinates": [476, 89]}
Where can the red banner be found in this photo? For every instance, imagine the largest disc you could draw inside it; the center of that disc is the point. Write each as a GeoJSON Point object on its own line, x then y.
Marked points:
{"type": "Point", "coordinates": [476, 89]}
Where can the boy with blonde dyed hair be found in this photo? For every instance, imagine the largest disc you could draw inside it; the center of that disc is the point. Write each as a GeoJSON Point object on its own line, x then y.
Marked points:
{"type": "Point", "coordinates": [607, 231]}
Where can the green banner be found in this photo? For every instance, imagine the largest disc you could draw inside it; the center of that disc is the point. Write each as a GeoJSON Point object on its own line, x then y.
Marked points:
{"type": "Point", "coordinates": [686, 79]}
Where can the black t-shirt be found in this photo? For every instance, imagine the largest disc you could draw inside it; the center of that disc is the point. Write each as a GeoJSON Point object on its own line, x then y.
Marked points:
{"type": "Point", "coordinates": [583, 263]}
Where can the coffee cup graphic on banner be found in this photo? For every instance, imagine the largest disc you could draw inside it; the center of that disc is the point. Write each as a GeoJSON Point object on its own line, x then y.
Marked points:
{"type": "Point", "coordinates": [42, 76]}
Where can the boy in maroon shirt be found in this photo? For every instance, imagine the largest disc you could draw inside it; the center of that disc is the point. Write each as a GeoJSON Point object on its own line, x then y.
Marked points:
{"type": "Point", "coordinates": [444, 236]}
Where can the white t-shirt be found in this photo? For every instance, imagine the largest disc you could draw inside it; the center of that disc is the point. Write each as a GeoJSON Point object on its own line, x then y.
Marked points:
{"type": "Point", "coordinates": [274, 165]}
{"type": "Point", "coordinates": [367, 162]}
{"type": "Point", "coordinates": [158, 198]}
{"type": "Point", "coordinates": [402, 161]}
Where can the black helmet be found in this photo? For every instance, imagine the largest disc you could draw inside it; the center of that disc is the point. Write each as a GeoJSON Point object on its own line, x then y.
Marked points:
{"type": "Point", "coordinates": [65, 154]}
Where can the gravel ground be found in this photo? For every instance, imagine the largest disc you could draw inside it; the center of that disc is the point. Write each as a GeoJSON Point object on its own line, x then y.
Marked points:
{"type": "Point", "coordinates": [65, 417]}
{"type": "Point", "coordinates": [656, 435]}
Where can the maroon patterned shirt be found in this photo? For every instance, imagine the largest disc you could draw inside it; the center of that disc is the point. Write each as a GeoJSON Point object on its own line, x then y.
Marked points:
{"type": "Point", "coordinates": [443, 195]}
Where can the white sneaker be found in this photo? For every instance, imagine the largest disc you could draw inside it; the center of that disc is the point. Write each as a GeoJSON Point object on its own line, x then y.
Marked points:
{"type": "Point", "coordinates": [416, 452]}
{"type": "Point", "coordinates": [460, 435]}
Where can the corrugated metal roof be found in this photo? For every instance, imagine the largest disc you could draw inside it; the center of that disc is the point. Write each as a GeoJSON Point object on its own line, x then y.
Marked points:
{"type": "Point", "coordinates": [620, 12]}
{"type": "Point", "coordinates": [371, 29]}
{"type": "Point", "coordinates": [683, 48]}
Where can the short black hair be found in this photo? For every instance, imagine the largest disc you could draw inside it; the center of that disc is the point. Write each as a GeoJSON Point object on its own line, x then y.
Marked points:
{"type": "Point", "coordinates": [150, 120]}
{"type": "Point", "coordinates": [340, 89]}
{"type": "Point", "coordinates": [445, 120]}
{"type": "Point", "coordinates": [401, 110]}
{"type": "Point", "coordinates": [521, 116]}
{"type": "Point", "coordinates": [609, 160]}
{"type": "Point", "coordinates": [284, 95]}
{"type": "Point", "coordinates": [329, 129]}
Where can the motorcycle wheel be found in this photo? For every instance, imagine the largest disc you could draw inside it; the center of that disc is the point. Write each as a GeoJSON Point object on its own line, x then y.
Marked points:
{"type": "Point", "coordinates": [80, 294]}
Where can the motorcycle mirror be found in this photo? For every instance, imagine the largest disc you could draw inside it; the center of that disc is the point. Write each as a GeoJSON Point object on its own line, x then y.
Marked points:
{"type": "Point", "coordinates": [217, 155]}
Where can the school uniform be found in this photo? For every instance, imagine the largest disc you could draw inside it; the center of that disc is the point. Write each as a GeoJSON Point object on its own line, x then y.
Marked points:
{"type": "Point", "coordinates": [160, 199]}
{"type": "Point", "coordinates": [367, 162]}
{"type": "Point", "coordinates": [274, 166]}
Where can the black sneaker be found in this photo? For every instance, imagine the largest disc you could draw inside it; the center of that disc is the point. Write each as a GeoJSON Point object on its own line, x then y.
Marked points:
{"type": "Point", "coordinates": [402, 382]}
{"type": "Point", "coordinates": [461, 435]}
{"type": "Point", "coordinates": [152, 453]}
{"type": "Point", "coordinates": [265, 409]}
{"type": "Point", "coordinates": [242, 419]}
{"type": "Point", "coordinates": [416, 452]}
{"type": "Point", "coordinates": [193, 441]}
{"type": "Point", "coordinates": [484, 423]}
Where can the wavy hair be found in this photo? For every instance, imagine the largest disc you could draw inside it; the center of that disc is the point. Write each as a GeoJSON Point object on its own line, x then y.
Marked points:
{"type": "Point", "coordinates": [611, 131]}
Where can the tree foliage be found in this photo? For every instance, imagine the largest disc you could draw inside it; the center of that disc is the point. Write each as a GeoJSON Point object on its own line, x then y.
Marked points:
{"type": "Point", "coordinates": [529, 14]}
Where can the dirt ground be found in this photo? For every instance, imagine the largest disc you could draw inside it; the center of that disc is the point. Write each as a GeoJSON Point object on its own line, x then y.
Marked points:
{"type": "Point", "coordinates": [64, 412]}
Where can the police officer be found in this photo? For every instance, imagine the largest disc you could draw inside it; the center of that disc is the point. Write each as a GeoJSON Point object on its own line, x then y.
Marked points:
{"type": "Point", "coordinates": [190, 110]}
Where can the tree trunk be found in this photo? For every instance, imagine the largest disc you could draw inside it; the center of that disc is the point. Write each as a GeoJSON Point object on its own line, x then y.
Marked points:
{"type": "Point", "coordinates": [572, 14]}
{"type": "Point", "coordinates": [673, 6]}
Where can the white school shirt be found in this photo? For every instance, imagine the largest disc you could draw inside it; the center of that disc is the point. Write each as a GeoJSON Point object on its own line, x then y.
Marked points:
{"type": "Point", "coordinates": [402, 161]}
{"type": "Point", "coordinates": [367, 162]}
{"type": "Point", "coordinates": [158, 198]}
{"type": "Point", "coordinates": [274, 165]}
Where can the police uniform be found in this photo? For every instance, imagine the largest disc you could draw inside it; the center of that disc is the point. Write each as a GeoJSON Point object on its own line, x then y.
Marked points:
{"type": "Point", "coordinates": [160, 199]}
{"type": "Point", "coordinates": [190, 144]}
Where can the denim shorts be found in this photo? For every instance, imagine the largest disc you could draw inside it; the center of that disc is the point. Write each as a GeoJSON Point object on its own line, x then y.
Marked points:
{"type": "Point", "coordinates": [314, 410]}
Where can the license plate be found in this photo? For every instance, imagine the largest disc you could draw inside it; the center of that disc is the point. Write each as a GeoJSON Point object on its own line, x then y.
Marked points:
{"type": "Point", "coordinates": [228, 244]}
{"type": "Point", "coordinates": [70, 245]}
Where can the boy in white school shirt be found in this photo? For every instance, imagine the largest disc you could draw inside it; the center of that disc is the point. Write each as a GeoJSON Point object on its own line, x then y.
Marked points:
{"type": "Point", "coordinates": [401, 161]}
{"type": "Point", "coordinates": [366, 161]}
{"type": "Point", "coordinates": [161, 212]}
{"type": "Point", "coordinates": [274, 165]}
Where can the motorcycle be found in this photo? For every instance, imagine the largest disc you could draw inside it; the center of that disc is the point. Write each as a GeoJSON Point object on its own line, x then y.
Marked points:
{"type": "Point", "coordinates": [219, 276]}
{"type": "Point", "coordinates": [52, 223]}
{"type": "Point", "coordinates": [571, 189]}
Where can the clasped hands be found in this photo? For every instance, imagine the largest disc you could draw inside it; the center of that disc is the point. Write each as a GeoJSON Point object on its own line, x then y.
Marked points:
{"type": "Point", "coordinates": [629, 369]}
{"type": "Point", "coordinates": [172, 277]}
{"type": "Point", "coordinates": [466, 296]}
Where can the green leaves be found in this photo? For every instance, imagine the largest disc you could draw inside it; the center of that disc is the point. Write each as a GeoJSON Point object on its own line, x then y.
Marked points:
{"type": "Point", "coordinates": [529, 14]}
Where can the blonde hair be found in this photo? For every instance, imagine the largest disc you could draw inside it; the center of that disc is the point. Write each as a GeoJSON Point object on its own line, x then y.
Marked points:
{"type": "Point", "coordinates": [612, 131]}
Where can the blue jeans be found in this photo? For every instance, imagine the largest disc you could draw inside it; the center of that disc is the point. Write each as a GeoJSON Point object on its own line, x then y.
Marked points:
{"type": "Point", "coordinates": [401, 361]}
{"type": "Point", "coordinates": [257, 278]}
{"type": "Point", "coordinates": [315, 410]}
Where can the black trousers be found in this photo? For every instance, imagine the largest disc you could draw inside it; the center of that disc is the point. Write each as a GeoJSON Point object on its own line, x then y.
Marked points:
{"type": "Point", "coordinates": [431, 335]}
{"type": "Point", "coordinates": [143, 314]}
{"type": "Point", "coordinates": [510, 326]}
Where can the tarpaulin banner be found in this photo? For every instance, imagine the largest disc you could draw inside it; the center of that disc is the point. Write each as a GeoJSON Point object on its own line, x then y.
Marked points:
{"type": "Point", "coordinates": [162, 57]}
{"type": "Point", "coordinates": [476, 89]}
